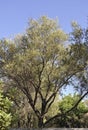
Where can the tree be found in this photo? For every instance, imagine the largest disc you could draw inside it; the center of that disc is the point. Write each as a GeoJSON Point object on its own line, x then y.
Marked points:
{"type": "Point", "coordinates": [79, 39]}
{"type": "Point", "coordinates": [39, 64]}
{"type": "Point", "coordinates": [74, 118]}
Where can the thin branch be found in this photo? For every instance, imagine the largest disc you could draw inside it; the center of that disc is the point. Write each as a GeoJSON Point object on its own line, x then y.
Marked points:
{"type": "Point", "coordinates": [48, 88]}
{"type": "Point", "coordinates": [50, 104]}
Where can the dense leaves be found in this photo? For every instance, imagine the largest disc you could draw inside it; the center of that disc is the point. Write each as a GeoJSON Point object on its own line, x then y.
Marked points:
{"type": "Point", "coordinates": [76, 117]}
{"type": "Point", "coordinates": [5, 115]}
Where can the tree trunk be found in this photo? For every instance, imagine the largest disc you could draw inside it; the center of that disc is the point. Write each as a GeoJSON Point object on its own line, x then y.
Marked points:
{"type": "Point", "coordinates": [40, 122]}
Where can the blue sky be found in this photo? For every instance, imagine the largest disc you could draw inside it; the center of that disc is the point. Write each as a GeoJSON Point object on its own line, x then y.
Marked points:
{"type": "Point", "coordinates": [14, 14]}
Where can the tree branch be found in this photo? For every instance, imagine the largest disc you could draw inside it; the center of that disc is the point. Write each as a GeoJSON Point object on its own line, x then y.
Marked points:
{"type": "Point", "coordinates": [71, 109]}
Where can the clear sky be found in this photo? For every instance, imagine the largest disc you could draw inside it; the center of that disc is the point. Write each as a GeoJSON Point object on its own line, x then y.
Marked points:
{"type": "Point", "coordinates": [14, 14]}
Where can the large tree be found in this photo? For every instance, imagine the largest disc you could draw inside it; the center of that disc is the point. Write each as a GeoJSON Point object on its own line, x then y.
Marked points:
{"type": "Point", "coordinates": [40, 63]}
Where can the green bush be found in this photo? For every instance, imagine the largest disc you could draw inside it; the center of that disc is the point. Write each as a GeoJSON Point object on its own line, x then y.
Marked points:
{"type": "Point", "coordinates": [5, 115]}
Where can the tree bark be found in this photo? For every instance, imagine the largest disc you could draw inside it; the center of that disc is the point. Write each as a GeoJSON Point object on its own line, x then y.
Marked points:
{"type": "Point", "coordinates": [40, 122]}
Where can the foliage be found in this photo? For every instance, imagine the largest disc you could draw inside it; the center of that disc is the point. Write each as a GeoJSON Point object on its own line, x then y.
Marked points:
{"type": "Point", "coordinates": [69, 101]}
{"type": "Point", "coordinates": [75, 117]}
{"type": "Point", "coordinates": [5, 115]}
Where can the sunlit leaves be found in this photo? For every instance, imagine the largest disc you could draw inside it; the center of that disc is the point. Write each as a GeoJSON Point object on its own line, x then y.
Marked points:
{"type": "Point", "coordinates": [5, 115]}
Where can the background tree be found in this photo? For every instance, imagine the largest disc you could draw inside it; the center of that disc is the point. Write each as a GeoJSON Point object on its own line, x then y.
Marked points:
{"type": "Point", "coordinates": [74, 118]}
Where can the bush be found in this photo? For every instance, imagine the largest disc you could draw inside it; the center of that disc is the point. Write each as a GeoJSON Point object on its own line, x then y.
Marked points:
{"type": "Point", "coordinates": [5, 115]}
